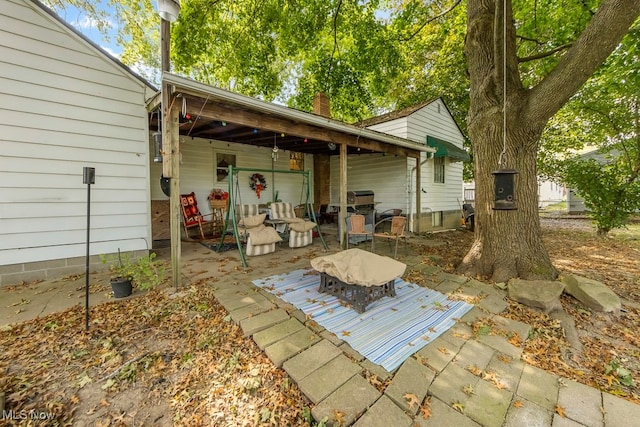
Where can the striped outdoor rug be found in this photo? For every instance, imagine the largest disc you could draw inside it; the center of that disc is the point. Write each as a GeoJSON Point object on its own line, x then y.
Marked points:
{"type": "Point", "coordinates": [388, 332]}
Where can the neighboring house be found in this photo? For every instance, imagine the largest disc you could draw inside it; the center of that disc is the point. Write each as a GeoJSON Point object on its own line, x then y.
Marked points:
{"type": "Point", "coordinates": [575, 203]}
{"type": "Point", "coordinates": [66, 104]}
{"type": "Point", "coordinates": [549, 193]}
{"type": "Point", "coordinates": [393, 179]}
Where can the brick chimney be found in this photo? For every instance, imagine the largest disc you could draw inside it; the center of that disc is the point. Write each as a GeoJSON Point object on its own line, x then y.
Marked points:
{"type": "Point", "coordinates": [321, 105]}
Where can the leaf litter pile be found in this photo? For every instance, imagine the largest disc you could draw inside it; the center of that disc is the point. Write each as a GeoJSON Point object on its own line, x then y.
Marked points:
{"type": "Point", "coordinates": [160, 359]}
{"type": "Point", "coordinates": [168, 359]}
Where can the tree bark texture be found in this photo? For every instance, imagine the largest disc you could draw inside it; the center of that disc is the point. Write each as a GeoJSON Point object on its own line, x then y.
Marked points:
{"type": "Point", "coordinates": [508, 243]}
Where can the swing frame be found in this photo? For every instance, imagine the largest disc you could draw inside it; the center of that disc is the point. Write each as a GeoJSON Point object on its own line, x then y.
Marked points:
{"type": "Point", "coordinates": [231, 211]}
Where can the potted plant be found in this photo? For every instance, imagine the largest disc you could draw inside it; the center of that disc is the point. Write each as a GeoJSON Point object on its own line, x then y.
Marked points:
{"type": "Point", "coordinates": [145, 273]}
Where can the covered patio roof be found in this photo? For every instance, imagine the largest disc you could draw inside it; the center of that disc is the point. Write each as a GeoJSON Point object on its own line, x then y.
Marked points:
{"type": "Point", "coordinates": [199, 110]}
{"type": "Point", "coordinates": [222, 115]}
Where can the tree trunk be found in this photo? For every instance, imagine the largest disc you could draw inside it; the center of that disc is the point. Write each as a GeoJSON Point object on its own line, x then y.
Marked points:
{"type": "Point", "coordinates": [509, 243]}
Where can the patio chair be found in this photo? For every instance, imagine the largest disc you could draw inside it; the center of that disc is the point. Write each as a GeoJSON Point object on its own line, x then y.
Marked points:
{"type": "Point", "coordinates": [300, 231]}
{"type": "Point", "coordinates": [357, 228]}
{"type": "Point", "coordinates": [260, 240]}
{"type": "Point", "coordinates": [397, 233]}
{"type": "Point", "coordinates": [191, 216]}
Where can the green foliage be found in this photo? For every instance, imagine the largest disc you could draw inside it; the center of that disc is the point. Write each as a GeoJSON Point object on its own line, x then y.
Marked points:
{"type": "Point", "coordinates": [146, 272]}
{"type": "Point", "coordinates": [622, 374]}
{"type": "Point", "coordinates": [611, 190]}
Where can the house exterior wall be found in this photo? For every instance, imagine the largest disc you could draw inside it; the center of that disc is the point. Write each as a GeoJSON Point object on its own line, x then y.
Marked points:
{"type": "Point", "coordinates": [197, 173]}
{"type": "Point", "coordinates": [435, 120]}
{"type": "Point", "coordinates": [65, 105]}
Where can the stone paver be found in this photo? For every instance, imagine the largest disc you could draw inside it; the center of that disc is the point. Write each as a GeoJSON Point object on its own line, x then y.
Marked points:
{"type": "Point", "coordinates": [581, 403]}
{"type": "Point", "coordinates": [251, 310]}
{"type": "Point", "coordinates": [290, 346]}
{"type": "Point", "coordinates": [538, 386]}
{"type": "Point", "coordinates": [237, 301]}
{"type": "Point", "coordinates": [311, 359]}
{"type": "Point", "coordinates": [618, 412]}
{"type": "Point", "coordinates": [488, 404]}
{"type": "Point", "coordinates": [277, 332]}
{"type": "Point", "coordinates": [384, 413]}
{"type": "Point", "coordinates": [529, 415]}
{"type": "Point", "coordinates": [350, 400]}
{"type": "Point", "coordinates": [438, 353]}
{"type": "Point", "coordinates": [507, 371]}
{"type": "Point", "coordinates": [324, 381]}
{"type": "Point", "coordinates": [257, 323]}
{"type": "Point", "coordinates": [412, 378]}
{"type": "Point", "coordinates": [474, 353]}
{"type": "Point", "coordinates": [444, 415]}
{"type": "Point", "coordinates": [449, 385]}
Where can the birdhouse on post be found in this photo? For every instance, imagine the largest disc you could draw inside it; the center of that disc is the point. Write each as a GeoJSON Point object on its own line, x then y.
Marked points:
{"type": "Point", "coordinates": [505, 198]}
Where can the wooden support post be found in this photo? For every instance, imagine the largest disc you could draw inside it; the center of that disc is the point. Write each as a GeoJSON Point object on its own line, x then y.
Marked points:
{"type": "Point", "coordinates": [174, 199]}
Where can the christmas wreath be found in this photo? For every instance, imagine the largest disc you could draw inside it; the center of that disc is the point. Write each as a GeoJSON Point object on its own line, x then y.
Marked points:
{"type": "Point", "coordinates": [257, 183]}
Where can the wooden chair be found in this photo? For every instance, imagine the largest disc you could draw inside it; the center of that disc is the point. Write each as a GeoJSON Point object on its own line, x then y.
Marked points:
{"type": "Point", "coordinates": [191, 216]}
{"type": "Point", "coordinates": [397, 233]}
{"type": "Point", "coordinates": [356, 227]}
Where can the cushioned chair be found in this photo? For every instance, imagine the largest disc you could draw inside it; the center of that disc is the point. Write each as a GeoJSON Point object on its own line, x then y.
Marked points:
{"type": "Point", "coordinates": [357, 229]}
{"type": "Point", "coordinates": [191, 216]}
{"type": "Point", "coordinates": [397, 233]}
{"type": "Point", "coordinates": [300, 231]}
{"type": "Point", "coordinates": [260, 240]}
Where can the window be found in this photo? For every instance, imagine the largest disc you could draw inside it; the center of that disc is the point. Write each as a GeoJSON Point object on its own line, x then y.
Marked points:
{"type": "Point", "coordinates": [438, 170]}
{"type": "Point", "coordinates": [296, 161]}
{"type": "Point", "coordinates": [223, 160]}
{"type": "Point", "coordinates": [436, 219]}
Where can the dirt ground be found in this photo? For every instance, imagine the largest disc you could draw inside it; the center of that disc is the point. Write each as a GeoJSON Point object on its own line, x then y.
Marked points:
{"type": "Point", "coordinates": [169, 358]}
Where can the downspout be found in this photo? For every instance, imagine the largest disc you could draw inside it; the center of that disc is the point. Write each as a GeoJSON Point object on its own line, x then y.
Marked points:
{"type": "Point", "coordinates": [418, 188]}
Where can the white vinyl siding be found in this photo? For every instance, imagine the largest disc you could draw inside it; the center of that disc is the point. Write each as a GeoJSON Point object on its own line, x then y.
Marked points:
{"type": "Point", "coordinates": [386, 176]}
{"type": "Point", "coordinates": [64, 105]}
{"type": "Point", "coordinates": [197, 171]}
{"type": "Point", "coordinates": [433, 119]}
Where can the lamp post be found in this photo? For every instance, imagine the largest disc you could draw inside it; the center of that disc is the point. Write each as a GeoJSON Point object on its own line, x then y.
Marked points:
{"type": "Point", "coordinates": [169, 11]}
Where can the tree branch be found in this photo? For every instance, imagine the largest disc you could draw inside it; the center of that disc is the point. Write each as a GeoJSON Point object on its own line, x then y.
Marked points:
{"type": "Point", "coordinates": [545, 54]}
{"type": "Point", "coordinates": [335, 43]}
{"type": "Point", "coordinates": [424, 24]}
{"type": "Point", "coordinates": [602, 35]}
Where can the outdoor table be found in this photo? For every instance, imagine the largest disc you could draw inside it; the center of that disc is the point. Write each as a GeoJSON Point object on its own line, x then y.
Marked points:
{"type": "Point", "coordinates": [357, 276]}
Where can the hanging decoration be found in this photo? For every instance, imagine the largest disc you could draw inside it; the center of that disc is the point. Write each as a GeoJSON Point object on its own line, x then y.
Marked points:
{"type": "Point", "coordinates": [257, 182]}
{"type": "Point", "coordinates": [274, 152]}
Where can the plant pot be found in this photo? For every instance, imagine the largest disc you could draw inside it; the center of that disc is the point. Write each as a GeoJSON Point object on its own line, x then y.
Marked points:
{"type": "Point", "coordinates": [121, 287]}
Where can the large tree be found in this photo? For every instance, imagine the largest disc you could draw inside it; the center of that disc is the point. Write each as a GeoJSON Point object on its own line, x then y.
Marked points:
{"type": "Point", "coordinates": [377, 55]}
{"type": "Point", "coordinates": [509, 242]}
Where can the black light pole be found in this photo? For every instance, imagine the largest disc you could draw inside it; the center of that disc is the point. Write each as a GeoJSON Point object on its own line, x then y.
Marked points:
{"type": "Point", "coordinates": [88, 177]}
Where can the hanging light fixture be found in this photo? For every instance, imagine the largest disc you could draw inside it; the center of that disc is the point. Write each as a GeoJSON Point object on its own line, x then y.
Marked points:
{"type": "Point", "coordinates": [274, 152]}
{"type": "Point", "coordinates": [331, 146]}
{"type": "Point", "coordinates": [169, 9]}
{"type": "Point", "coordinates": [157, 147]}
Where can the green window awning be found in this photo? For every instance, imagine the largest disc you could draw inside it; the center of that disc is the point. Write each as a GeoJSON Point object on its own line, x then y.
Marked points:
{"type": "Point", "coordinates": [447, 149]}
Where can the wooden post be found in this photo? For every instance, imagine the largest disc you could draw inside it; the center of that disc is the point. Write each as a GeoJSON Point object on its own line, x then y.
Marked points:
{"type": "Point", "coordinates": [174, 200]}
{"type": "Point", "coordinates": [342, 217]}
{"type": "Point", "coordinates": [171, 156]}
